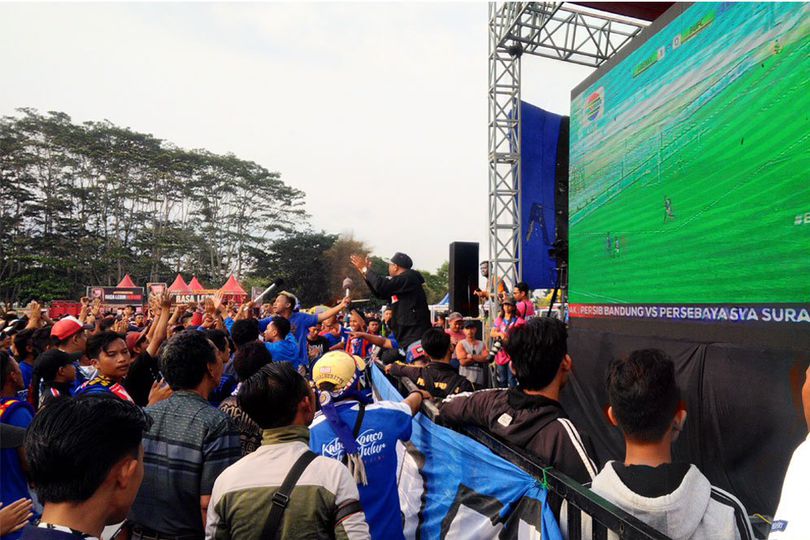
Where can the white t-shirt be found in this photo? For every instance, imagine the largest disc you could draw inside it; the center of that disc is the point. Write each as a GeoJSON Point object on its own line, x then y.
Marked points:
{"type": "Point", "coordinates": [791, 519]}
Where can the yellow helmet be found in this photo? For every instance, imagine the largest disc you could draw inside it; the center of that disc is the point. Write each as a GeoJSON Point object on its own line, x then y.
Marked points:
{"type": "Point", "coordinates": [339, 368]}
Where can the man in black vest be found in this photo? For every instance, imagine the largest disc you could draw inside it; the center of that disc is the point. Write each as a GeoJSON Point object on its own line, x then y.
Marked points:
{"type": "Point", "coordinates": [404, 289]}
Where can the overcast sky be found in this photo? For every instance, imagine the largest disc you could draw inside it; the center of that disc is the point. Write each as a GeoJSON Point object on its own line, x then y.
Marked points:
{"type": "Point", "coordinates": [377, 111]}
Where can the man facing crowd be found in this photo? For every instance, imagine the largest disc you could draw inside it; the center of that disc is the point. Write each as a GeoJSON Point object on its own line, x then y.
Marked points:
{"type": "Point", "coordinates": [411, 316]}
{"type": "Point", "coordinates": [473, 356]}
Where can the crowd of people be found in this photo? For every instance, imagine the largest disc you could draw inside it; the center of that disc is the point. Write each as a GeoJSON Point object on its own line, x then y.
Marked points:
{"type": "Point", "coordinates": [257, 421]}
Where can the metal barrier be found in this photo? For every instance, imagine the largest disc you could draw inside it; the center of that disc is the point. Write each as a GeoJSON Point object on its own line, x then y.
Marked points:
{"type": "Point", "coordinates": [605, 516]}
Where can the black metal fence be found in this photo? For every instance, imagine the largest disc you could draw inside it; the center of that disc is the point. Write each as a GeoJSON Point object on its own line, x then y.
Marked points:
{"type": "Point", "coordinates": [564, 493]}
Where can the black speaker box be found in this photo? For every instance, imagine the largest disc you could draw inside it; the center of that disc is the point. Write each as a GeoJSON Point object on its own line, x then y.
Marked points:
{"type": "Point", "coordinates": [464, 278]}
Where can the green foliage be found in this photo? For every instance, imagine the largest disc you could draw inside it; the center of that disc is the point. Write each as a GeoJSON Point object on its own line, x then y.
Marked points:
{"type": "Point", "coordinates": [437, 285]}
{"type": "Point", "coordinates": [85, 204]}
{"type": "Point", "coordinates": [299, 259]}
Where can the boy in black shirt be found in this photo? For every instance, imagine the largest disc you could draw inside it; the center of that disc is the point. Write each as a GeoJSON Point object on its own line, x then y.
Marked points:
{"type": "Point", "coordinates": [317, 345]}
{"type": "Point", "coordinates": [438, 378]}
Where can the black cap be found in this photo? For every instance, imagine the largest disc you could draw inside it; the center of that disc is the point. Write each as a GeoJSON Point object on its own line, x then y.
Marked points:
{"type": "Point", "coordinates": [400, 259]}
{"type": "Point", "coordinates": [49, 362]}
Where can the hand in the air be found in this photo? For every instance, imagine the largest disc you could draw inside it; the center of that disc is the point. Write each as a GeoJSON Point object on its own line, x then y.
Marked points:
{"type": "Point", "coordinates": [360, 263]}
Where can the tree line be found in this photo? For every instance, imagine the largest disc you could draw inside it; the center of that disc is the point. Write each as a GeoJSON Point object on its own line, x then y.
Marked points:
{"type": "Point", "coordinates": [84, 203]}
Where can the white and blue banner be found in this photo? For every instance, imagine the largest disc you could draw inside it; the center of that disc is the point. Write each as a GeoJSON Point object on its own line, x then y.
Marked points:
{"type": "Point", "coordinates": [451, 486]}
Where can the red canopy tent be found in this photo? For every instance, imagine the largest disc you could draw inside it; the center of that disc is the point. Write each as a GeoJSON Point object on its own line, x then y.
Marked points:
{"type": "Point", "coordinates": [126, 283]}
{"type": "Point", "coordinates": [195, 285]}
{"type": "Point", "coordinates": [234, 290]}
{"type": "Point", "coordinates": [179, 286]}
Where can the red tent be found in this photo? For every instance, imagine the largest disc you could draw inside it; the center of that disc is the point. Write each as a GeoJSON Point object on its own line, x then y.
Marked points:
{"type": "Point", "coordinates": [179, 286]}
{"type": "Point", "coordinates": [126, 283]}
{"type": "Point", "coordinates": [195, 285]}
{"type": "Point", "coordinates": [233, 288]}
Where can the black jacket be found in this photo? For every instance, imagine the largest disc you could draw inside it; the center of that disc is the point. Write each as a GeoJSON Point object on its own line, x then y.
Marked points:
{"type": "Point", "coordinates": [406, 295]}
{"type": "Point", "coordinates": [446, 380]}
{"type": "Point", "coordinates": [534, 423]}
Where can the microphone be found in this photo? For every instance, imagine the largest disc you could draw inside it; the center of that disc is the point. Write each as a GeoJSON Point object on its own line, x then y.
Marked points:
{"type": "Point", "coordinates": [276, 283]}
{"type": "Point", "coordinates": [348, 284]}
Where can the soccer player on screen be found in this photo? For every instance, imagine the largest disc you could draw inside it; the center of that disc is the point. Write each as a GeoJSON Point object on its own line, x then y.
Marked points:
{"type": "Point", "coordinates": [668, 209]}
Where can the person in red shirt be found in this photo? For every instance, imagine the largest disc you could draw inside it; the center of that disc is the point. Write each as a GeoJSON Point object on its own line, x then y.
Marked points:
{"type": "Point", "coordinates": [523, 302]}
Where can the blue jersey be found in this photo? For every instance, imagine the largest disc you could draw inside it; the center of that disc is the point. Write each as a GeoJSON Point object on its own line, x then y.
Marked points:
{"type": "Point", "coordinates": [27, 373]}
{"type": "Point", "coordinates": [299, 326]}
{"type": "Point", "coordinates": [227, 384]}
{"type": "Point", "coordinates": [384, 423]}
{"type": "Point", "coordinates": [285, 350]}
{"type": "Point", "coordinates": [100, 385]}
{"type": "Point", "coordinates": [13, 485]}
{"type": "Point", "coordinates": [333, 340]}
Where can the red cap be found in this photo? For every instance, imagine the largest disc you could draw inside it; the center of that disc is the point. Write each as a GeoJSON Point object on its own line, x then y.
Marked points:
{"type": "Point", "coordinates": [67, 327]}
{"type": "Point", "coordinates": [133, 338]}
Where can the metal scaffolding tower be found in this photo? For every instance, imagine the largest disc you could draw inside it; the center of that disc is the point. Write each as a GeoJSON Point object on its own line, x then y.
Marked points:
{"type": "Point", "coordinates": [561, 31]}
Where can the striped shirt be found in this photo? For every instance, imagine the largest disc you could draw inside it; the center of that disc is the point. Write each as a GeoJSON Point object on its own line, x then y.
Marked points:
{"type": "Point", "coordinates": [323, 503]}
{"type": "Point", "coordinates": [189, 444]}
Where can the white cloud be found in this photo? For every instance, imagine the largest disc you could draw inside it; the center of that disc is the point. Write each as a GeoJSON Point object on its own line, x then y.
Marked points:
{"type": "Point", "coordinates": [377, 111]}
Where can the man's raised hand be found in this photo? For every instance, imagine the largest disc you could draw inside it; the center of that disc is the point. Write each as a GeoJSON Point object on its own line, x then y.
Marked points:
{"type": "Point", "coordinates": [360, 263]}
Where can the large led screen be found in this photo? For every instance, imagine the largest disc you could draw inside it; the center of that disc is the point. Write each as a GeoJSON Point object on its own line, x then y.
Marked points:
{"type": "Point", "coordinates": [690, 172]}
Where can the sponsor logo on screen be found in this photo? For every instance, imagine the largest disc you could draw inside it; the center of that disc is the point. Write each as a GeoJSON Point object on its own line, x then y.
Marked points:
{"type": "Point", "coordinates": [594, 107]}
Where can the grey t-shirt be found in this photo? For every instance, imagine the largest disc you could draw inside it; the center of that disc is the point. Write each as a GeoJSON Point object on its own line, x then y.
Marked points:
{"type": "Point", "coordinates": [474, 372]}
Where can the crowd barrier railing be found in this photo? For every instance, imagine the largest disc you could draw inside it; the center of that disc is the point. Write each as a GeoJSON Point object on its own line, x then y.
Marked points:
{"type": "Point", "coordinates": [563, 491]}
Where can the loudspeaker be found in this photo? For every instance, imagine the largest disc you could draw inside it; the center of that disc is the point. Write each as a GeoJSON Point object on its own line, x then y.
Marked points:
{"type": "Point", "coordinates": [464, 278]}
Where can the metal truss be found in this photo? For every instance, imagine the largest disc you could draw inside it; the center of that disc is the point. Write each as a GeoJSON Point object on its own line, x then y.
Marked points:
{"type": "Point", "coordinates": [504, 153]}
{"type": "Point", "coordinates": [552, 30]}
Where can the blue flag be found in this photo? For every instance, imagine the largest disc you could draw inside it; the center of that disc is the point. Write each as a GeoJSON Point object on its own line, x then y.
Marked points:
{"type": "Point", "coordinates": [451, 486]}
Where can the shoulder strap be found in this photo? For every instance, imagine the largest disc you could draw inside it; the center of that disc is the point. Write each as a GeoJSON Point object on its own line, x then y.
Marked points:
{"type": "Point", "coordinates": [356, 431]}
{"type": "Point", "coordinates": [357, 423]}
{"type": "Point", "coordinates": [282, 497]}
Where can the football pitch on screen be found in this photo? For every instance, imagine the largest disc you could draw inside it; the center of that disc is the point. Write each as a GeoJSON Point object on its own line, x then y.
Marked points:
{"type": "Point", "coordinates": [725, 219]}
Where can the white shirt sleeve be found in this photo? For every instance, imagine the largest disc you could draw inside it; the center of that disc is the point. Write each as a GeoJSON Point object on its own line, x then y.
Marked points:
{"type": "Point", "coordinates": [791, 518]}
{"type": "Point", "coordinates": [212, 518]}
{"type": "Point", "coordinates": [351, 525]}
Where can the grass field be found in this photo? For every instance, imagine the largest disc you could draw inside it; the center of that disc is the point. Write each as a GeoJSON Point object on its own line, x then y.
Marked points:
{"type": "Point", "coordinates": [736, 192]}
